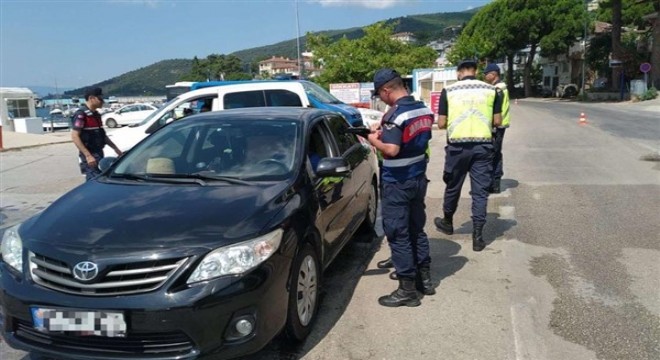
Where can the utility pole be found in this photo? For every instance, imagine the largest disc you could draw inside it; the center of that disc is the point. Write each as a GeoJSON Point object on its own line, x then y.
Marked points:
{"type": "Point", "coordinates": [298, 41]}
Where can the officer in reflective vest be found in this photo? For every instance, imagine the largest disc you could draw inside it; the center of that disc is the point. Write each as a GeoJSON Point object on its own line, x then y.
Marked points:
{"type": "Point", "coordinates": [88, 134]}
{"type": "Point", "coordinates": [492, 75]}
{"type": "Point", "coordinates": [402, 138]}
{"type": "Point", "coordinates": [468, 109]}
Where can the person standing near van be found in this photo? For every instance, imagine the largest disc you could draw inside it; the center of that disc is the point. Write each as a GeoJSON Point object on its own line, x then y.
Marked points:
{"type": "Point", "coordinates": [402, 138]}
{"type": "Point", "coordinates": [88, 134]}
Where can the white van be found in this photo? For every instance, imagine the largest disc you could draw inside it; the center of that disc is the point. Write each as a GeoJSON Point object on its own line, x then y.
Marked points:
{"type": "Point", "coordinates": [230, 96]}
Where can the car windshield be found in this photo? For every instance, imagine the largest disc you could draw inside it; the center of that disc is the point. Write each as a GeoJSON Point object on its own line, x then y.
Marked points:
{"type": "Point", "coordinates": [215, 151]}
{"type": "Point", "coordinates": [319, 93]}
{"type": "Point", "coordinates": [156, 112]}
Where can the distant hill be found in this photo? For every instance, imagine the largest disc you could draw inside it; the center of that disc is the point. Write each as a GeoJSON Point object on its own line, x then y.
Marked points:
{"type": "Point", "coordinates": [151, 80]}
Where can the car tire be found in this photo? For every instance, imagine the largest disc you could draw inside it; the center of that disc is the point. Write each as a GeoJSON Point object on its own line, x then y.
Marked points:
{"type": "Point", "coordinates": [303, 294]}
{"type": "Point", "coordinates": [111, 123]}
{"type": "Point", "coordinates": [368, 225]}
{"type": "Point", "coordinates": [570, 92]}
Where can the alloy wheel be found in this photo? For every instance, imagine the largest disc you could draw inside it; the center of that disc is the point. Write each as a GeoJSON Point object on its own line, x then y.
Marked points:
{"type": "Point", "coordinates": [307, 290]}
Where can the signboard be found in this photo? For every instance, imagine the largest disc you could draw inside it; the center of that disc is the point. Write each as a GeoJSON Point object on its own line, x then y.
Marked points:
{"type": "Point", "coordinates": [645, 67]}
{"type": "Point", "coordinates": [435, 100]}
{"type": "Point", "coordinates": [348, 93]}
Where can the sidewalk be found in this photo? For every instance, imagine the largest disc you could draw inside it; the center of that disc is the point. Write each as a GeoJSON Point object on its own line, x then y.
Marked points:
{"type": "Point", "coordinates": [14, 140]}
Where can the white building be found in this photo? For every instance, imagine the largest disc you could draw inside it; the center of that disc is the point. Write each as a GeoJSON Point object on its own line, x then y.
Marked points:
{"type": "Point", "coordinates": [18, 110]}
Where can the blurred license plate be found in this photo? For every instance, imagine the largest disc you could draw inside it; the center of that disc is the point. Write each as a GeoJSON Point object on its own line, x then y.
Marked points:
{"type": "Point", "coordinates": [80, 322]}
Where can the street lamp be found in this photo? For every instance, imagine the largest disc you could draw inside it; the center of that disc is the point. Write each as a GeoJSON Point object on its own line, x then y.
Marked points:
{"type": "Point", "coordinates": [298, 41]}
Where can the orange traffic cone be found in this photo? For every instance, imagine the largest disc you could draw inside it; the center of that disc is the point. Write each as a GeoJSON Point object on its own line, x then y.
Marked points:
{"type": "Point", "coordinates": [583, 119]}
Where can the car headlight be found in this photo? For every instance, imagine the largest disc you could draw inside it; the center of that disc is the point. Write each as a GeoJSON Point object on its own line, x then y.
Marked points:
{"type": "Point", "coordinates": [12, 248]}
{"type": "Point", "coordinates": [372, 117]}
{"type": "Point", "coordinates": [238, 258]}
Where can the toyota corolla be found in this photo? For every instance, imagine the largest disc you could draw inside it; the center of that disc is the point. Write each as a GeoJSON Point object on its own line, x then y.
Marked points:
{"type": "Point", "coordinates": [206, 239]}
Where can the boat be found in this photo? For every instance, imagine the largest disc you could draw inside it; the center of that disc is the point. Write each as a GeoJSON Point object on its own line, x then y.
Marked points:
{"type": "Point", "coordinates": [56, 120]}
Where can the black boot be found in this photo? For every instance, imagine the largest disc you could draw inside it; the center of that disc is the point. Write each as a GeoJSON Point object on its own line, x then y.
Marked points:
{"type": "Point", "coordinates": [478, 242]}
{"type": "Point", "coordinates": [424, 283]}
{"type": "Point", "coordinates": [445, 224]}
{"type": "Point", "coordinates": [405, 295]}
{"type": "Point", "coordinates": [495, 187]}
{"type": "Point", "coordinates": [385, 264]}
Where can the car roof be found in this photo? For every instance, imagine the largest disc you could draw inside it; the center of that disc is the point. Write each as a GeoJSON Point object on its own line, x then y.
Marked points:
{"type": "Point", "coordinates": [247, 85]}
{"type": "Point", "coordinates": [298, 114]}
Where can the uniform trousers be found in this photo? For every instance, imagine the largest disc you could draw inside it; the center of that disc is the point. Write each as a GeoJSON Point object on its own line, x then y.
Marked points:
{"type": "Point", "coordinates": [88, 171]}
{"type": "Point", "coordinates": [477, 160]}
{"type": "Point", "coordinates": [404, 217]}
{"type": "Point", "coordinates": [498, 137]}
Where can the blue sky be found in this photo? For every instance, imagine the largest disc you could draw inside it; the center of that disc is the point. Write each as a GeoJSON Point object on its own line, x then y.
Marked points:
{"type": "Point", "coordinates": [72, 43]}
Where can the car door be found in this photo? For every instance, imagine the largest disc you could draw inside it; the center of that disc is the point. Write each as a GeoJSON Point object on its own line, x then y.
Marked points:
{"type": "Point", "coordinates": [357, 185]}
{"type": "Point", "coordinates": [330, 191]}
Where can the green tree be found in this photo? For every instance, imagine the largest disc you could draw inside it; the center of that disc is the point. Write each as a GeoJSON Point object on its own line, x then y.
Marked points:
{"type": "Point", "coordinates": [216, 67]}
{"type": "Point", "coordinates": [504, 27]}
{"type": "Point", "coordinates": [357, 60]}
{"type": "Point", "coordinates": [624, 13]}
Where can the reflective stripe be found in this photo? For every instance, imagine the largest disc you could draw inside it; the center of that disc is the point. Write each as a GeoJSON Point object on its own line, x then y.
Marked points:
{"type": "Point", "coordinates": [465, 115]}
{"type": "Point", "coordinates": [403, 162]}
{"type": "Point", "coordinates": [411, 114]}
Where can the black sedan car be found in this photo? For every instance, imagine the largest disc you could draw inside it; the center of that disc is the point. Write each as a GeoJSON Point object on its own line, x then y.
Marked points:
{"type": "Point", "coordinates": [207, 239]}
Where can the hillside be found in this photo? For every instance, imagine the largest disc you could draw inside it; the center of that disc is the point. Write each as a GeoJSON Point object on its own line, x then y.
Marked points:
{"type": "Point", "coordinates": [151, 80]}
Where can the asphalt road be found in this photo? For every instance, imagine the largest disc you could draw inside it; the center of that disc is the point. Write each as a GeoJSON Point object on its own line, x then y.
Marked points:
{"type": "Point", "coordinates": [571, 271]}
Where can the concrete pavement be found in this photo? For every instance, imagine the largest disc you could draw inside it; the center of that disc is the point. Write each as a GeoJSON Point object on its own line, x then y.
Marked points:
{"type": "Point", "coordinates": [12, 140]}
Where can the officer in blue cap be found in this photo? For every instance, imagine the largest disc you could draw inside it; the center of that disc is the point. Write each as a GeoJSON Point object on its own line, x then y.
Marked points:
{"type": "Point", "coordinates": [402, 138]}
{"type": "Point", "coordinates": [468, 109]}
{"type": "Point", "coordinates": [492, 75]}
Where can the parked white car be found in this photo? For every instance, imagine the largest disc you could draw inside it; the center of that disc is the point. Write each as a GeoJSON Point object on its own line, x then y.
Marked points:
{"type": "Point", "coordinates": [231, 96]}
{"type": "Point", "coordinates": [127, 115]}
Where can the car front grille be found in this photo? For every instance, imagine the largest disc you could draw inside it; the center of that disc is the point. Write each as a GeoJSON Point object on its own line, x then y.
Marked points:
{"type": "Point", "coordinates": [120, 279]}
{"type": "Point", "coordinates": [156, 345]}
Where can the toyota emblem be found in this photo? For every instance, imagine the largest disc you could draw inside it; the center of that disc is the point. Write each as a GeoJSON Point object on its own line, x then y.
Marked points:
{"type": "Point", "coordinates": [85, 271]}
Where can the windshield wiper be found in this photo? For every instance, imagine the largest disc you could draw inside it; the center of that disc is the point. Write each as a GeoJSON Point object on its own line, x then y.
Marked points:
{"type": "Point", "coordinates": [210, 175]}
{"type": "Point", "coordinates": [161, 178]}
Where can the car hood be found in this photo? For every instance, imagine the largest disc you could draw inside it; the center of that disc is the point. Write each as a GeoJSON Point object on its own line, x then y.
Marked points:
{"type": "Point", "coordinates": [98, 216]}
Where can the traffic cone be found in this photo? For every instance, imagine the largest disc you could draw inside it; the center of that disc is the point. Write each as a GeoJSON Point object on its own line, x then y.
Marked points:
{"type": "Point", "coordinates": [515, 101]}
{"type": "Point", "coordinates": [583, 119]}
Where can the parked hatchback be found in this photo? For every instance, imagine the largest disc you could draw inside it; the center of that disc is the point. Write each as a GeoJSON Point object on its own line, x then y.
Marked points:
{"type": "Point", "coordinates": [127, 115]}
{"type": "Point", "coordinates": [208, 238]}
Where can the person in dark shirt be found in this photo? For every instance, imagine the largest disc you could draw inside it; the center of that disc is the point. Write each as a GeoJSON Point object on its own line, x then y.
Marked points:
{"type": "Point", "coordinates": [88, 134]}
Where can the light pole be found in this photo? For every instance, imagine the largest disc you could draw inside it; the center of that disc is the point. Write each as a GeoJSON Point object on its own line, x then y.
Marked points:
{"type": "Point", "coordinates": [298, 41]}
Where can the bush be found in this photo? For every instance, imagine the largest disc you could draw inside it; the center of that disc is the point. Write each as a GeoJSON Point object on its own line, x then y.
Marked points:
{"type": "Point", "coordinates": [649, 94]}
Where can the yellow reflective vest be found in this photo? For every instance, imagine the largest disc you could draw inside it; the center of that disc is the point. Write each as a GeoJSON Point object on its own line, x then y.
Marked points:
{"type": "Point", "coordinates": [505, 105]}
{"type": "Point", "coordinates": [470, 111]}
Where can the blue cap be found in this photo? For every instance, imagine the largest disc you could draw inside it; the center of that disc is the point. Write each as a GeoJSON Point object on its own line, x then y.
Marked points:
{"type": "Point", "coordinates": [467, 63]}
{"type": "Point", "coordinates": [382, 77]}
{"type": "Point", "coordinates": [491, 67]}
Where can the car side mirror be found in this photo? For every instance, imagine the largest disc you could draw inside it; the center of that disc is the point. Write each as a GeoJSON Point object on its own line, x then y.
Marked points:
{"type": "Point", "coordinates": [333, 166]}
{"type": "Point", "coordinates": [106, 162]}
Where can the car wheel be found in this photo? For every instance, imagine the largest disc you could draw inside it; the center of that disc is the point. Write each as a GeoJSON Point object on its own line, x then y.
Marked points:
{"type": "Point", "coordinates": [369, 222]}
{"type": "Point", "coordinates": [570, 92]}
{"type": "Point", "coordinates": [303, 294]}
{"type": "Point", "coordinates": [111, 123]}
